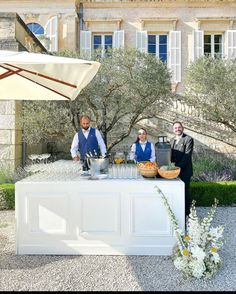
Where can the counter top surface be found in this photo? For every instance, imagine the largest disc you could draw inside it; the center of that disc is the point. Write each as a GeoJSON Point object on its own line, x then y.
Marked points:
{"type": "Point", "coordinates": [45, 177]}
{"type": "Point", "coordinates": [71, 171]}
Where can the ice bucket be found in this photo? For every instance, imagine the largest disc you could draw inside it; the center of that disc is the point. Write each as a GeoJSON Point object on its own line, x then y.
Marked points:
{"type": "Point", "coordinates": [99, 165]}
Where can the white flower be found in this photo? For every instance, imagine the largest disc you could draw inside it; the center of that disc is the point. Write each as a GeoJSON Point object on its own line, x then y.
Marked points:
{"type": "Point", "coordinates": [217, 232]}
{"type": "Point", "coordinates": [198, 253]}
{"type": "Point", "coordinates": [198, 268]}
{"type": "Point", "coordinates": [194, 231]}
{"type": "Point", "coordinates": [180, 263]}
{"type": "Point", "coordinates": [215, 257]}
{"type": "Point", "coordinates": [192, 254]}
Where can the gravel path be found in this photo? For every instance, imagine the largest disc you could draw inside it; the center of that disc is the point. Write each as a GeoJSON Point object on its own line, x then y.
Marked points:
{"type": "Point", "coordinates": [109, 273]}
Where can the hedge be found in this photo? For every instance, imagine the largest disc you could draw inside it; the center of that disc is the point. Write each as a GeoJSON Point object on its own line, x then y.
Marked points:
{"type": "Point", "coordinates": [203, 192]}
{"type": "Point", "coordinates": [9, 195]}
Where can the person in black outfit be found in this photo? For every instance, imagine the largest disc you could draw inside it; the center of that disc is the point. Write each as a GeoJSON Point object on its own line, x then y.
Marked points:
{"type": "Point", "coordinates": [181, 155]}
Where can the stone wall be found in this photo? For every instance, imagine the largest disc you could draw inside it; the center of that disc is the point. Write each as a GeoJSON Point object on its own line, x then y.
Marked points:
{"type": "Point", "coordinates": [40, 12]}
{"type": "Point", "coordinates": [10, 133]}
{"type": "Point", "coordinates": [14, 36]}
{"type": "Point", "coordinates": [162, 16]}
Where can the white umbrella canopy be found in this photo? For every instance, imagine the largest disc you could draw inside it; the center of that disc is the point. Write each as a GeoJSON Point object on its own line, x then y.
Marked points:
{"type": "Point", "coordinates": [35, 76]}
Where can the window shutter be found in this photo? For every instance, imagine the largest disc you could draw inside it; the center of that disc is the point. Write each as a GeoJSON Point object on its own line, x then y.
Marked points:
{"type": "Point", "coordinates": [198, 43]}
{"type": "Point", "coordinates": [118, 39]}
{"type": "Point", "coordinates": [85, 43]}
{"type": "Point", "coordinates": [141, 41]}
{"type": "Point", "coordinates": [51, 31]}
{"type": "Point", "coordinates": [175, 55]}
{"type": "Point", "coordinates": [231, 44]}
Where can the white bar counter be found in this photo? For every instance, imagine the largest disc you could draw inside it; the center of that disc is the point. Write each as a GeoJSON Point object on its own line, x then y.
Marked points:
{"type": "Point", "coordinates": [97, 217]}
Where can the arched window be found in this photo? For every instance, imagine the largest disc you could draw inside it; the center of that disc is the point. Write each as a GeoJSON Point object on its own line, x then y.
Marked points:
{"type": "Point", "coordinates": [36, 28]}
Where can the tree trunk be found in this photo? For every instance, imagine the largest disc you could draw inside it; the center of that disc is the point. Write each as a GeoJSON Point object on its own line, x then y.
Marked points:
{"type": "Point", "coordinates": [104, 125]}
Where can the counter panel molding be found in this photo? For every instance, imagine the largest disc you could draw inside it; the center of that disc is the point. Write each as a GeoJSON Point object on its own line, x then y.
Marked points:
{"type": "Point", "coordinates": [103, 217]}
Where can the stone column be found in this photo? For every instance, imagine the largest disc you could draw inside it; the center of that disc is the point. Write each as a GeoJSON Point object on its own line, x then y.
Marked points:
{"type": "Point", "coordinates": [10, 133]}
{"type": "Point", "coordinates": [14, 36]}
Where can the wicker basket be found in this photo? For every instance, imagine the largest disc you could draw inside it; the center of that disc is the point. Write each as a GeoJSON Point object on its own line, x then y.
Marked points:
{"type": "Point", "coordinates": [148, 173]}
{"type": "Point", "coordinates": [169, 174]}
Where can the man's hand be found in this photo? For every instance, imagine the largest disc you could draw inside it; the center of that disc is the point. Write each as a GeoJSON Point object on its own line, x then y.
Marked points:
{"type": "Point", "coordinates": [76, 158]}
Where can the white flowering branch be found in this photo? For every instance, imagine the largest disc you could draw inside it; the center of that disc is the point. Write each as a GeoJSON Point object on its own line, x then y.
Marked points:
{"type": "Point", "coordinates": [173, 219]}
{"type": "Point", "coordinates": [196, 253]}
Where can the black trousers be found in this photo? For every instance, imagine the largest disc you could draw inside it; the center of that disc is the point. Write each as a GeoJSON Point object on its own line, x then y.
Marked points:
{"type": "Point", "coordinates": [84, 165]}
{"type": "Point", "coordinates": [188, 199]}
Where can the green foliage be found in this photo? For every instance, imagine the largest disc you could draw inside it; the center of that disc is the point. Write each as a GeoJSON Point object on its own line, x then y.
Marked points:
{"type": "Point", "coordinates": [211, 88]}
{"type": "Point", "coordinates": [170, 166]}
{"type": "Point", "coordinates": [10, 175]}
{"type": "Point", "coordinates": [46, 121]}
{"type": "Point", "coordinates": [129, 86]}
{"type": "Point", "coordinates": [205, 193]}
{"type": "Point", "coordinates": [6, 174]}
{"type": "Point", "coordinates": [8, 194]}
{"type": "Point", "coordinates": [213, 166]}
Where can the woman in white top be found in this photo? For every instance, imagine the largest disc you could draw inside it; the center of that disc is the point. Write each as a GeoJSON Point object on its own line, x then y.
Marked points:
{"type": "Point", "coordinates": [142, 149]}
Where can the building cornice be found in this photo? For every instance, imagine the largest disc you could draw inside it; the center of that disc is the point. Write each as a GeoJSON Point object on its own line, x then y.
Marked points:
{"type": "Point", "coordinates": [201, 20]}
{"type": "Point", "coordinates": [173, 21]}
{"type": "Point", "coordinates": [116, 21]}
{"type": "Point", "coordinates": [154, 3]}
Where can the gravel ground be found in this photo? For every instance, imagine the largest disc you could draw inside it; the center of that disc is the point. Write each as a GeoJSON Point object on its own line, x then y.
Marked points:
{"type": "Point", "coordinates": [110, 273]}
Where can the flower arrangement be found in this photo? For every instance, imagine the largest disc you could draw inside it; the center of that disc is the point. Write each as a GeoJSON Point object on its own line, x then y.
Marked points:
{"type": "Point", "coordinates": [196, 252]}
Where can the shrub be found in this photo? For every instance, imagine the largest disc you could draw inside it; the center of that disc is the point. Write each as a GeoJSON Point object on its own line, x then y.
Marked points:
{"type": "Point", "coordinates": [7, 195]}
{"type": "Point", "coordinates": [3, 204]}
{"type": "Point", "coordinates": [204, 193]}
{"type": "Point", "coordinates": [6, 174]}
{"type": "Point", "coordinates": [213, 167]}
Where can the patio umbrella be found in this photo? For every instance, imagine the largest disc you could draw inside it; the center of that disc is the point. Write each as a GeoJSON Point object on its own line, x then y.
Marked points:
{"type": "Point", "coordinates": [35, 76]}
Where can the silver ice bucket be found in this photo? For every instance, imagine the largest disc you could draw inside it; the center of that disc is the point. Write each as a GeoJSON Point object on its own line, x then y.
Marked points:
{"type": "Point", "coordinates": [98, 165]}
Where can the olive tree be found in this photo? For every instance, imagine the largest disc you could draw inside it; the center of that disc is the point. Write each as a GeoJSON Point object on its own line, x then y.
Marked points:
{"type": "Point", "coordinates": [130, 86]}
{"type": "Point", "coordinates": [211, 87]}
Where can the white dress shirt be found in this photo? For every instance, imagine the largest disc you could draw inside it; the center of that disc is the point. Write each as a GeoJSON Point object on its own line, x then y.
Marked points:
{"type": "Point", "coordinates": [177, 138]}
{"type": "Point", "coordinates": [75, 143]}
{"type": "Point", "coordinates": [143, 145]}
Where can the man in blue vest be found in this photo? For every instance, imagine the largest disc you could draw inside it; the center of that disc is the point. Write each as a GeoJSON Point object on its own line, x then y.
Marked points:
{"type": "Point", "coordinates": [87, 140]}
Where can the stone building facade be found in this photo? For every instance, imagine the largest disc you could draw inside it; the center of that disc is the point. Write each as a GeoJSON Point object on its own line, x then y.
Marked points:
{"type": "Point", "coordinates": [14, 36]}
{"type": "Point", "coordinates": [177, 31]}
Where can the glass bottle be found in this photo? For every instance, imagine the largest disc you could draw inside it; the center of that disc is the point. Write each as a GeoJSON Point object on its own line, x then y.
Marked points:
{"type": "Point", "coordinates": [119, 158]}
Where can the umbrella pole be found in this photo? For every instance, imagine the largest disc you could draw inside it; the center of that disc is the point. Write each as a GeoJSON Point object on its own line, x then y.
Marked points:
{"type": "Point", "coordinates": [23, 153]}
{"type": "Point", "coordinates": [23, 138]}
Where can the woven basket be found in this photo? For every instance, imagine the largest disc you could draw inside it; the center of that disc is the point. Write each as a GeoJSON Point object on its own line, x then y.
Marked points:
{"type": "Point", "coordinates": [169, 174]}
{"type": "Point", "coordinates": [149, 173]}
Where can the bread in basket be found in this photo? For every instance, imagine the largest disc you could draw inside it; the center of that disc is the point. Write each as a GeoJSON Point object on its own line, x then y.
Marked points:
{"type": "Point", "coordinates": [147, 169]}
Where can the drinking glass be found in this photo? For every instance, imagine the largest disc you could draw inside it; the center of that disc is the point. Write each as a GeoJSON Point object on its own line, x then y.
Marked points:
{"type": "Point", "coordinates": [115, 171]}
{"type": "Point", "coordinates": [110, 171]}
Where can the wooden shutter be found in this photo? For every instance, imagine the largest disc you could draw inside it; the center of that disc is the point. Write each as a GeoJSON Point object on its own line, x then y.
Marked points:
{"type": "Point", "coordinates": [51, 31]}
{"type": "Point", "coordinates": [231, 44]}
{"type": "Point", "coordinates": [198, 43]}
{"type": "Point", "coordinates": [175, 55]}
{"type": "Point", "coordinates": [141, 41]}
{"type": "Point", "coordinates": [118, 39]}
{"type": "Point", "coordinates": [85, 43]}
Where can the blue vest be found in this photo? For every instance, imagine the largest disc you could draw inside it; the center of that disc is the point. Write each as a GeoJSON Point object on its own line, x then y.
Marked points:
{"type": "Point", "coordinates": [87, 145]}
{"type": "Point", "coordinates": [143, 155]}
